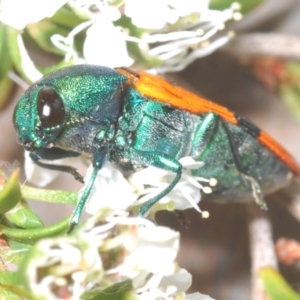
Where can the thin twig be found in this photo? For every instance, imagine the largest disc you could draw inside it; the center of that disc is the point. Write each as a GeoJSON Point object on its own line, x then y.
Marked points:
{"type": "Point", "coordinates": [261, 248]}
{"type": "Point", "coordinates": [265, 44]}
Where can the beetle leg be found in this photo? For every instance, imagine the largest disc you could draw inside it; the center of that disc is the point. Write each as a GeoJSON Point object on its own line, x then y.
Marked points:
{"type": "Point", "coordinates": [256, 190]}
{"type": "Point", "coordinates": [53, 154]}
{"type": "Point", "coordinates": [99, 158]}
{"type": "Point", "coordinates": [160, 161]}
{"type": "Point", "coordinates": [80, 205]}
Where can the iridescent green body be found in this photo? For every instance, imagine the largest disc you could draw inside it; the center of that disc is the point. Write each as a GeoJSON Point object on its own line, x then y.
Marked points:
{"type": "Point", "coordinates": [93, 110]}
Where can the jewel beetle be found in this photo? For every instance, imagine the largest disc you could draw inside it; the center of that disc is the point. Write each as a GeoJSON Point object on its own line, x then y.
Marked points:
{"type": "Point", "coordinates": [134, 119]}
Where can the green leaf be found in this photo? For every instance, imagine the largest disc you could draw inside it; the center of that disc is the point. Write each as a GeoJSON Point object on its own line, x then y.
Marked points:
{"type": "Point", "coordinates": [116, 3]}
{"type": "Point", "coordinates": [6, 293]}
{"type": "Point", "coordinates": [276, 286]}
{"type": "Point", "coordinates": [6, 86]}
{"type": "Point", "coordinates": [9, 278]}
{"type": "Point", "coordinates": [11, 284]}
{"type": "Point", "coordinates": [22, 216]}
{"type": "Point", "coordinates": [20, 57]}
{"type": "Point", "coordinates": [291, 98]}
{"type": "Point", "coordinates": [5, 59]}
{"type": "Point", "coordinates": [11, 193]}
{"type": "Point", "coordinates": [42, 32]}
{"type": "Point", "coordinates": [14, 252]}
{"type": "Point", "coordinates": [51, 196]}
{"type": "Point", "coordinates": [69, 18]}
{"type": "Point", "coordinates": [31, 235]}
{"type": "Point", "coordinates": [289, 87]}
{"type": "Point", "coordinates": [247, 5]}
{"type": "Point", "coordinates": [119, 291]}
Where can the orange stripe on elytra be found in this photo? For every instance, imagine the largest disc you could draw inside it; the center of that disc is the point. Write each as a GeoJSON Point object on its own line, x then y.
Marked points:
{"type": "Point", "coordinates": [159, 89]}
{"type": "Point", "coordinates": [281, 153]}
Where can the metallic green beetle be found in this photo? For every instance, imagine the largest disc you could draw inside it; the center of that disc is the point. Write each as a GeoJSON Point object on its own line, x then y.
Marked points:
{"type": "Point", "coordinates": [134, 119]}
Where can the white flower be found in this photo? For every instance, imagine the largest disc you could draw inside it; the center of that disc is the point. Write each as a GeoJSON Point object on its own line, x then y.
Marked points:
{"type": "Point", "coordinates": [27, 64]}
{"type": "Point", "coordinates": [64, 263]}
{"type": "Point", "coordinates": [105, 45]}
{"type": "Point", "coordinates": [79, 262]}
{"type": "Point", "coordinates": [149, 259]}
{"type": "Point", "coordinates": [190, 38]}
{"type": "Point", "coordinates": [36, 174]}
{"type": "Point", "coordinates": [74, 264]}
{"type": "Point", "coordinates": [187, 7]}
{"type": "Point", "coordinates": [150, 181]}
{"type": "Point", "coordinates": [19, 13]}
{"type": "Point", "coordinates": [155, 14]}
{"type": "Point", "coordinates": [41, 176]}
{"type": "Point", "coordinates": [112, 190]}
{"type": "Point", "coordinates": [150, 249]}
{"type": "Point", "coordinates": [166, 287]}
{"type": "Point", "coordinates": [150, 14]}
{"type": "Point", "coordinates": [198, 296]}
{"type": "Point", "coordinates": [66, 44]}
{"type": "Point", "coordinates": [146, 247]}
{"type": "Point", "coordinates": [176, 283]}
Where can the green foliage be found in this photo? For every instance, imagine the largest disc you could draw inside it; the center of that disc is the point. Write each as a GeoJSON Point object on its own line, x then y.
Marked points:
{"type": "Point", "coordinates": [246, 5]}
{"type": "Point", "coordinates": [119, 291]}
{"type": "Point", "coordinates": [276, 286]}
{"type": "Point", "coordinates": [10, 194]}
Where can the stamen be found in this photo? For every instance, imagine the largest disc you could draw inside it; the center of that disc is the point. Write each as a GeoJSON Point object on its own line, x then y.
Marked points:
{"type": "Point", "coordinates": [205, 214]}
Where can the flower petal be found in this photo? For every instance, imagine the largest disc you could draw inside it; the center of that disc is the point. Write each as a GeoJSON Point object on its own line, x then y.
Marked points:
{"type": "Point", "coordinates": [105, 45]}
{"type": "Point", "coordinates": [111, 189]}
{"type": "Point", "coordinates": [19, 13]}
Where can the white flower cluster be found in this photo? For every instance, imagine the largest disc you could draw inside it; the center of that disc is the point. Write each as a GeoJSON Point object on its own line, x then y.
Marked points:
{"type": "Point", "coordinates": [18, 13]}
{"type": "Point", "coordinates": [173, 33]}
{"type": "Point", "coordinates": [78, 263]}
{"type": "Point", "coordinates": [112, 190]}
{"type": "Point", "coordinates": [146, 253]}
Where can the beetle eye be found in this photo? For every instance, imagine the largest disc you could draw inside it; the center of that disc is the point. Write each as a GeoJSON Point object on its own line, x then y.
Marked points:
{"type": "Point", "coordinates": [50, 108]}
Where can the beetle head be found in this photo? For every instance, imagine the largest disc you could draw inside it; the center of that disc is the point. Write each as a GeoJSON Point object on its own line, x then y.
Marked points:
{"type": "Point", "coordinates": [68, 100]}
{"type": "Point", "coordinates": [39, 117]}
